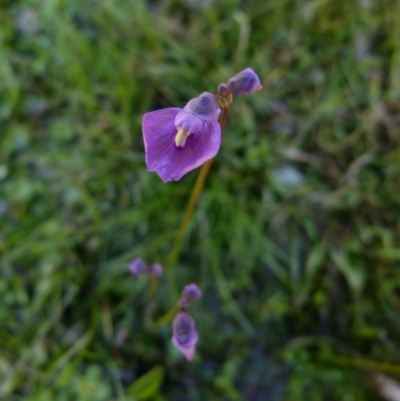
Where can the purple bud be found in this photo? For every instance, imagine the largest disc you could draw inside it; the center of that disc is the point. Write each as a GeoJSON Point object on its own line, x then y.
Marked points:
{"type": "Point", "coordinates": [156, 270]}
{"type": "Point", "coordinates": [189, 294]}
{"type": "Point", "coordinates": [184, 335]}
{"type": "Point", "coordinates": [244, 82]}
{"type": "Point", "coordinates": [139, 268]}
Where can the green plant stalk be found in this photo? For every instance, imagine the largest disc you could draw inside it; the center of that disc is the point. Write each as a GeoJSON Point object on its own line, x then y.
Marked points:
{"type": "Point", "coordinates": [366, 364]}
{"type": "Point", "coordinates": [173, 256]}
{"type": "Point", "coordinates": [177, 247]}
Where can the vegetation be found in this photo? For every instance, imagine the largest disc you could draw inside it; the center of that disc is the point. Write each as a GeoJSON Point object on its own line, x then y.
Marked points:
{"type": "Point", "coordinates": [293, 241]}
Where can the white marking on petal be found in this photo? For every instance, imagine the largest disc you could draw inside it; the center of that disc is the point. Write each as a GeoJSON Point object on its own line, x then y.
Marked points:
{"type": "Point", "coordinates": [181, 137]}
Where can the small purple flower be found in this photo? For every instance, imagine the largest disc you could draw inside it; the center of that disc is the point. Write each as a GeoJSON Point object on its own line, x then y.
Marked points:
{"type": "Point", "coordinates": [184, 335]}
{"type": "Point", "coordinates": [244, 83]}
{"type": "Point", "coordinates": [189, 294]}
{"type": "Point", "coordinates": [177, 140]}
{"type": "Point", "coordinates": [138, 267]}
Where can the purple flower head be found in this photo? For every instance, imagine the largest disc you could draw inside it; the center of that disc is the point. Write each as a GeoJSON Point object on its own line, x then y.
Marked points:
{"type": "Point", "coordinates": [189, 294]}
{"type": "Point", "coordinates": [184, 335]}
{"type": "Point", "coordinates": [244, 82]}
{"type": "Point", "coordinates": [138, 267]}
{"type": "Point", "coordinates": [177, 140]}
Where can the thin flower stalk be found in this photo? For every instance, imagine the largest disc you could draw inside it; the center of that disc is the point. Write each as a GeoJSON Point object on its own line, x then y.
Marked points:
{"type": "Point", "coordinates": [201, 178]}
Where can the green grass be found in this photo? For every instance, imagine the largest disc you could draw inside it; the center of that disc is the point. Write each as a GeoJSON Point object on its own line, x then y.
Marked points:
{"type": "Point", "coordinates": [300, 282]}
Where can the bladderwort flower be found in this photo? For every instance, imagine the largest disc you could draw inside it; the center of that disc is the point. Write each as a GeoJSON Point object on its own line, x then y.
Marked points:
{"type": "Point", "coordinates": [139, 267]}
{"type": "Point", "coordinates": [189, 294]}
{"type": "Point", "coordinates": [184, 335]}
{"type": "Point", "coordinates": [178, 140]}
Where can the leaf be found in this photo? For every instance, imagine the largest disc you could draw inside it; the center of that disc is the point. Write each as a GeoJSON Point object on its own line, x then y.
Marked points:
{"type": "Point", "coordinates": [354, 276]}
{"type": "Point", "coordinates": [147, 385]}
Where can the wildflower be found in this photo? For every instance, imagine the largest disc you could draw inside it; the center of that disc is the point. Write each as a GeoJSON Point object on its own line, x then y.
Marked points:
{"type": "Point", "coordinates": [244, 83]}
{"type": "Point", "coordinates": [184, 335]}
{"type": "Point", "coordinates": [189, 294]}
{"type": "Point", "coordinates": [139, 268]}
{"type": "Point", "coordinates": [178, 140]}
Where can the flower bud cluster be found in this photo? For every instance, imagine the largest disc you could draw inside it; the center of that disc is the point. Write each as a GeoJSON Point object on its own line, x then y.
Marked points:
{"type": "Point", "coordinates": [139, 267]}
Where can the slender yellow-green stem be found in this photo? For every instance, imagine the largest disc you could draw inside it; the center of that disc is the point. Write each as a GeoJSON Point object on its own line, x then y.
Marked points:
{"type": "Point", "coordinates": [168, 316]}
{"type": "Point", "coordinates": [366, 364]}
{"type": "Point", "coordinates": [176, 249]}
{"type": "Point", "coordinates": [153, 286]}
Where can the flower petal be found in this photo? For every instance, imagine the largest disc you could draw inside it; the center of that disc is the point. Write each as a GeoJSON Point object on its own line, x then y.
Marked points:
{"type": "Point", "coordinates": [188, 122]}
{"type": "Point", "coordinates": [200, 147]}
{"type": "Point", "coordinates": [163, 156]}
{"type": "Point", "coordinates": [184, 335]}
{"type": "Point", "coordinates": [204, 106]}
{"type": "Point", "coordinates": [158, 134]}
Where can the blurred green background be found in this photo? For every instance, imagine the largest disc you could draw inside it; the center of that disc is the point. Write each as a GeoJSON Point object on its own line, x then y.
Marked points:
{"type": "Point", "coordinates": [294, 240]}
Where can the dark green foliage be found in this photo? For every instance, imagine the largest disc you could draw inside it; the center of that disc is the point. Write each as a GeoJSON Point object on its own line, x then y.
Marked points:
{"type": "Point", "coordinates": [294, 241]}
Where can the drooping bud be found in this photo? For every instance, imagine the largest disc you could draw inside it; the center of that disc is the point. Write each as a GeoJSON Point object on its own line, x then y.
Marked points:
{"type": "Point", "coordinates": [244, 83]}
{"type": "Point", "coordinates": [189, 294]}
{"type": "Point", "coordinates": [184, 335]}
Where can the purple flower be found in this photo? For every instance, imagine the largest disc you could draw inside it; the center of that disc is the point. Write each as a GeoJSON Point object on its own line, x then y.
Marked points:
{"type": "Point", "coordinates": [244, 82]}
{"type": "Point", "coordinates": [189, 294]}
{"type": "Point", "coordinates": [184, 335]}
{"type": "Point", "coordinates": [177, 140]}
{"type": "Point", "coordinates": [138, 267]}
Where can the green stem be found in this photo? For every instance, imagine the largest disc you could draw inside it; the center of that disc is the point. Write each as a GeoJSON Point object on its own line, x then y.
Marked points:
{"type": "Point", "coordinates": [366, 364]}
{"type": "Point", "coordinates": [177, 247]}
{"type": "Point", "coordinates": [173, 256]}
{"type": "Point", "coordinates": [168, 316]}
